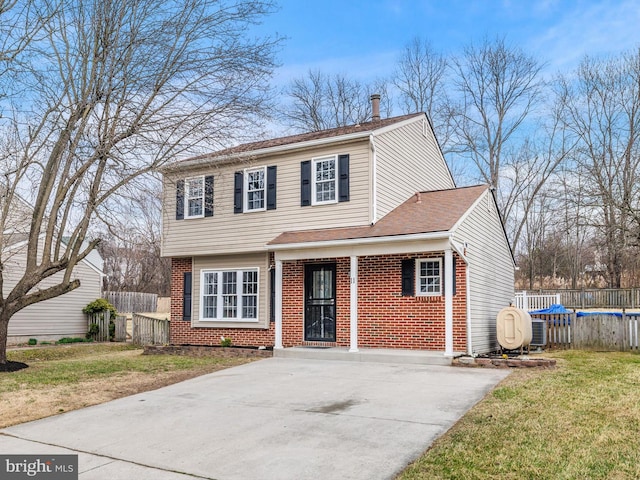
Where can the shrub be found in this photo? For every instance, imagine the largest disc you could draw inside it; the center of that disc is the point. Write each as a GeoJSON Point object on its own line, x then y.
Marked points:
{"type": "Point", "coordinates": [100, 305]}
{"type": "Point", "coordinates": [94, 329]}
{"type": "Point", "coordinates": [32, 341]}
{"type": "Point", "coordinates": [74, 339]}
{"type": "Point", "coordinates": [225, 342]}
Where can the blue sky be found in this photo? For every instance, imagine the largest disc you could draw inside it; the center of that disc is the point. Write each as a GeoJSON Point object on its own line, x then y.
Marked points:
{"type": "Point", "coordinates": [364, 38]}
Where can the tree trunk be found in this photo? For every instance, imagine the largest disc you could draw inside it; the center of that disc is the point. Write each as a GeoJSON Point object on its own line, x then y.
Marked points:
{"type": "Point", "coordinates": [4, 330]}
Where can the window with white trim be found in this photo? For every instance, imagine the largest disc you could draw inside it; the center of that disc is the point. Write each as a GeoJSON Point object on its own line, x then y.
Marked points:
{"type": "Point", "coordinates": [194, 197]}
{"type": "Point", "coordinates": [324, 185]}
{"type": "Point", "coordinates": [255, 189]}
{"type": "Point", "coordinates": [429, 276]}
{"type": "Point", "coordinates": [229, 295]}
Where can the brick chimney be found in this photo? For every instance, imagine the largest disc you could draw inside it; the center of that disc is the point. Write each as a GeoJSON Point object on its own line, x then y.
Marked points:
{"type": "Point", "coordinates": [375, 107]}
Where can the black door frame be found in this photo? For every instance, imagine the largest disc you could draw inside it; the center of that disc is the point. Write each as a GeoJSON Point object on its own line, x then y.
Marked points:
{"type": "Point", "coordinates": [319, 314]}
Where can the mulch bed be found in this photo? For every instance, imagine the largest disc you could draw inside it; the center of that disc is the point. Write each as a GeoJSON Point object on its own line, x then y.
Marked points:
{"type": "Point", "coordinates": [12, 366]}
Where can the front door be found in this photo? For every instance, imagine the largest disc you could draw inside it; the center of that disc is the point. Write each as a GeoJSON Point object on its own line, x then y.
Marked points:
{"type": "Point", "coordinates": [320, 302]}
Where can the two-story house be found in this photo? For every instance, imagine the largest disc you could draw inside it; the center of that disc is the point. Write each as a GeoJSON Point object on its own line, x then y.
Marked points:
{"type": "Point", "coordinates": [352, 237]}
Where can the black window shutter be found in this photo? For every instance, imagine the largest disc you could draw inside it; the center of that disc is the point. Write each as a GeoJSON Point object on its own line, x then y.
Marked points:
{"type": "Point", "coordinates": [305, 183]}
{"type": "Point", "coordinates": [186, 296]}
{"type": "Point", "coordinates": [180, 200]}
{"type": "Point", "coordinates": [272, 294]}
{"type": "Point", "coordinates": [237, 192]}
{"type": "Point", "coordinates": [208, 196]}
{"type": "Point", "coordinates": [408, 277]}
{"type": "Point", "coordinates": [343, 178]}
{"type": "Point", "coordinates": [271, 187]}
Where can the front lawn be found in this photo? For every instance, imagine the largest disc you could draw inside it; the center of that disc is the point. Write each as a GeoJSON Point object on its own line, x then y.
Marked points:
{"type": "Point", "coordinates": [579, 421]}
{"type": "Point", "coordinates": [64, 378]}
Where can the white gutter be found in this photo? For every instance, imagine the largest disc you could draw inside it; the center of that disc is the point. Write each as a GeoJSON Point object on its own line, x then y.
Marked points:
{"type": "Point", "coordinates": [361, 241]}
{"type": "Point", "coordinates": [374, 186]}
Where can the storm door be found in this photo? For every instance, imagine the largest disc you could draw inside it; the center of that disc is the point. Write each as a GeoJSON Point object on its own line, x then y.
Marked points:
{"type": "Point", "coordinates": [320, 302]}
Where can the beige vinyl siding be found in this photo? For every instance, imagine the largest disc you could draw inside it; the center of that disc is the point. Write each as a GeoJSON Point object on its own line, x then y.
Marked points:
{"type": "Point", "coordinates": [491, 270]}
{"type": "Point", "coordinates": [233, 262]}
{"type": "Point", "coordinates": [57, 317]}
{"type": "Point", "coordinates": [227, 232]}
{"type": "Point", "coordinates": [408, 162]}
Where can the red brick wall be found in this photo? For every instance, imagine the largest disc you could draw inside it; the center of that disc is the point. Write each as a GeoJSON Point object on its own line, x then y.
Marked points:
{"type": "Point", "coordinates": [386, 319]}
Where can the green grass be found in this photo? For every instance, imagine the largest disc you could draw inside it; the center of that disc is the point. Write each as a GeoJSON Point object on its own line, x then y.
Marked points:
{"type": "Point", "coordinates": [68, 365]}
{"type": "Point", "coordinates": [579, 421]}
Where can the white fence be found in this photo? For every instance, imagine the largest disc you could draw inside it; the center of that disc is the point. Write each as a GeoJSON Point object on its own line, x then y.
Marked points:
{"type": "Point", "coordinates": [528, 302]}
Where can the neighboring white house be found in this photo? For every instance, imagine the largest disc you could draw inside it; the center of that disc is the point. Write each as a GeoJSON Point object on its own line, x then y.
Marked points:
{"type": "Point", "coordinates": [57, 317]}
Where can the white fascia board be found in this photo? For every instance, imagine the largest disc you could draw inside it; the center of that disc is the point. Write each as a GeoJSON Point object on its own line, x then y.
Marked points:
{"type": "Point", "coordinates": [363, 246]}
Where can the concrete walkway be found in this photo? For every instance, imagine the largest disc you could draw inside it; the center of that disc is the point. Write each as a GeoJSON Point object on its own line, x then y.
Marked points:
{"type": "Point", "coordinates": [277, 418]}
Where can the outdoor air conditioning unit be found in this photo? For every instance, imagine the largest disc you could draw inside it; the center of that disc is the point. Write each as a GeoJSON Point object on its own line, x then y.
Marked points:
{"type": "Point", "coordinates": [538, 332]}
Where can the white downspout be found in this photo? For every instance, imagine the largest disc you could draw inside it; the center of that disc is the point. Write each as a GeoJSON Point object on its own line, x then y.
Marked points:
{"type": "Point", "coordinates": [278, 327]}
{"type": "Point", "coordinates": [374, 182]}
{"type": "Point", "coordinates": [448, 302]}
{"type": "Point", "coordinates": [353, 309]}
{"type": "Point", "coordinates": [468, 290]}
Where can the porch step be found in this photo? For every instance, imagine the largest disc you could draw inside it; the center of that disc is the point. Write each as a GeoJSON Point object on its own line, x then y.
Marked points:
{"type": "Point", "coordinates": [379, 355]}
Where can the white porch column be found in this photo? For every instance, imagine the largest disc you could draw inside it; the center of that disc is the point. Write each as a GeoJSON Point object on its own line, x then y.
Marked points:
{"type": "Point", "coordinates": [448, 302]}
{"type": "Point", "coordinates": [353, 312]}
{"type": "Point", "coordinates": [278, 286]}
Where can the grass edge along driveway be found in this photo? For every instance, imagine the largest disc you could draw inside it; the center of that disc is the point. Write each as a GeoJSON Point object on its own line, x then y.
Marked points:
{"type": "Point", "coordinates": [578, 421]}
{"type": "Point", "coordinates": [64, 378]}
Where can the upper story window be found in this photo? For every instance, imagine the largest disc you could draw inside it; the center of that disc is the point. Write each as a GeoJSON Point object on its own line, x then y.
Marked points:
{"type": "Point", "coordinates": [255, 187]}
{"type": "Point", "coordinates": [194, 196]}
{"type": "Point", "coordinates": [324, 180]}
{"type": "Point", "coordinates": [429, 276]}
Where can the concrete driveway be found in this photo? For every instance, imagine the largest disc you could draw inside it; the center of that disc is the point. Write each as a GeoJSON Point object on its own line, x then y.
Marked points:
{"type": "Point", "coordinates": [277, 418]}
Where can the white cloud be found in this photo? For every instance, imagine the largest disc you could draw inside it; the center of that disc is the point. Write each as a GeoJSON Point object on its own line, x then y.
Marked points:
{"type": "Point", "coordinates": [594, 28]}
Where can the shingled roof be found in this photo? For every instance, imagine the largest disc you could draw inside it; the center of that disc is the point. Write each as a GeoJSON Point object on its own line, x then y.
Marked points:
{"type": "Point", "coordinates": [424, 212]}
{"type": "Point", "coordinates": [247, 148]}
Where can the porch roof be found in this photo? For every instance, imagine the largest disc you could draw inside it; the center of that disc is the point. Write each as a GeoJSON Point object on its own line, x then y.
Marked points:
{"type": "Point", "coordinates": [424, 212]}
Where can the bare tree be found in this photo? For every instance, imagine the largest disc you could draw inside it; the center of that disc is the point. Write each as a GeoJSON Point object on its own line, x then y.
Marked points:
{"type": "Point", "coordinates": [130, 245]}
{"type": "Point", "coordinates": [320, 101]}
{"type": "Point", "coordinates": [602, 109]}
{"type": "Point", "coordinates": [104, 93]}
{"type": "Point", "coordinates": [420, 77]}
{"type": "Point", "coordinates": [498, 86]}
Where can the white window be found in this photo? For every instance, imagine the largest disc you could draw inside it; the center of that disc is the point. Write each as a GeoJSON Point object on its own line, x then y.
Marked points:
{"type": "Point", "coordinates": [255, 189]}
{"type": "Point", "coordinates": [429, 276]}
{"type": "Point", "coordinates": [194, 197]}
{"type": "Point", "coordinates": [229, 295]}
{"type": "Point", "coordinates": [324, 185]}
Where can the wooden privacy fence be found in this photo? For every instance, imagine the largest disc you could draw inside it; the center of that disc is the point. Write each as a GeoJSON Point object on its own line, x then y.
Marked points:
{"type": "Point", "coordinates": [132, 301]}
{"type": "Point", "coordinates": [102, 320]}
{"type": "Point", "coordinates": [149, 331]}
{"type": "Point", "coordinates": [592, 331]}
{"type": "Point", "coordinates": [590, 297]}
